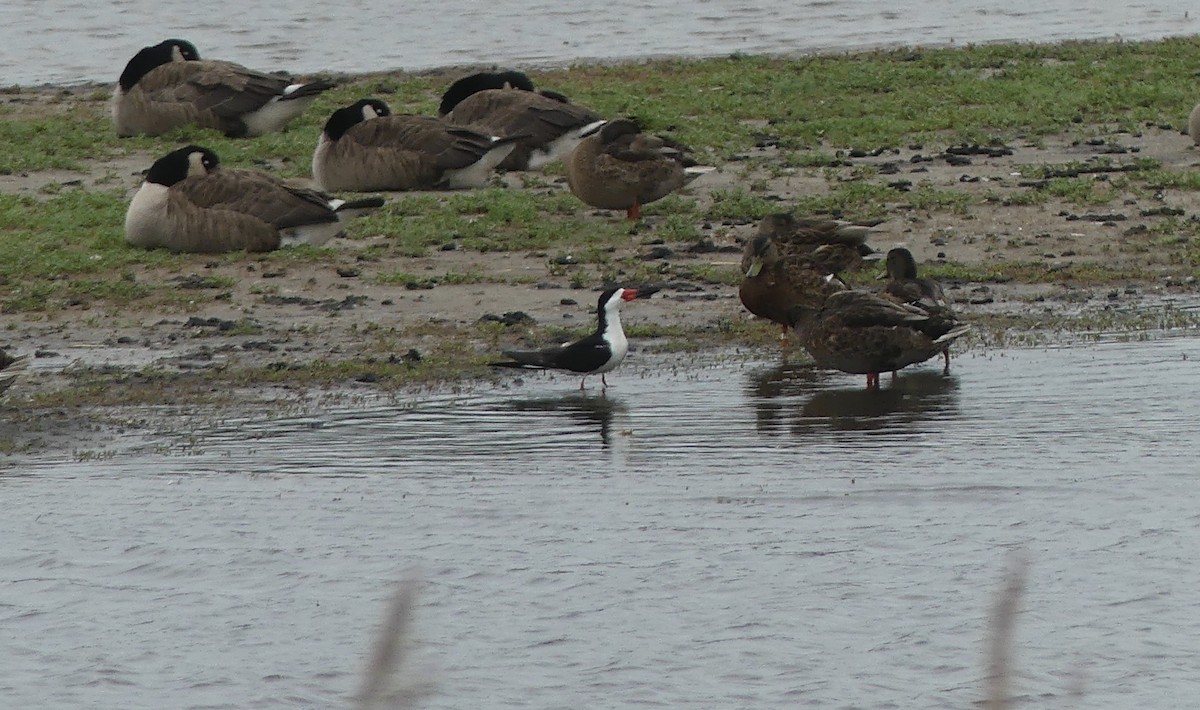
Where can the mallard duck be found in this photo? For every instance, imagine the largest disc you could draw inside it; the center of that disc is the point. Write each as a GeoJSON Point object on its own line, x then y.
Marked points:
{"type": "Point", "coordinates": [365, 147]}
{"type": "Point", "coordinates": [188, 203]}
{"type": "Point", "coordinates": [904, 286]}
{"type": "Point", "coordinates": [773, 284]}
{"type": "Point", "coordinates": [829, 246]}
{"type": "Point", "coordinates": [792, 259]}
{"type": "Point", "coordinates": [11, 366]}
{"type": "Point", "coordinates": [860, 332]}
{"type": "Point", "coordinates": [595, 354]}
{"type": "Point", "coordinates": [617, 167]}
{"type": "Point", "coordinates": [168, 85]}
{"type": "Point", "coordinates": [505, 104]}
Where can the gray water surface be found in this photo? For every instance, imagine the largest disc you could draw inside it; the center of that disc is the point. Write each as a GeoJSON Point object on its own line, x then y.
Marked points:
{"type": "Point", "coordinates": [743, 535]}
{"type": "Point", "coordinates": [67, 41]}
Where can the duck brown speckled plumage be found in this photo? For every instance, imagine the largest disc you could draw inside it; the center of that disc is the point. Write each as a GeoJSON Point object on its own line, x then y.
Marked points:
{"type": "Point", "coordinates": [862, 333]}
{"type": "Point", "coordinates": [905, 286]}
{"type": "Point", "coordinates": [617, 167]}
{"type": "Point", "coordinates": [796, 260]}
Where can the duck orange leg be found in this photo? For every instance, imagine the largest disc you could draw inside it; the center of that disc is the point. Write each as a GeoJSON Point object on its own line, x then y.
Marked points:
{"type": "Point", "coordinates": [872, 380]}
{"type": "Point", "coordinates": [635, 212]}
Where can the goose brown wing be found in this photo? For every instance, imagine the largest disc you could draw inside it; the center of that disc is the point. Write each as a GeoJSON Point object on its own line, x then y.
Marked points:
{"type": "Point", "coordinates": [448, 147]}
{"type": "Point", "coordinates": [258, 195]}
{"type": "Point", "coordinates": [231, 90]}
{"type": "Point", "coordinates": [228, 90]}
{"type": "Point", "coordinates": [506, 112]}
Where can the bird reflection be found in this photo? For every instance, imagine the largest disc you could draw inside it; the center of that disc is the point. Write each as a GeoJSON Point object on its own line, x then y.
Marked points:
{"type": "Point", "coordinates": [772, 390]}
{"type": "Point", "coordinates": [589, 411]}
{"type": "Point", "coordinates": [800, 394]}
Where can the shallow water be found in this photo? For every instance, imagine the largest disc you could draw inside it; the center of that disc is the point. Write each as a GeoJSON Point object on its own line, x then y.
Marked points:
{"type": "Point", "coordinates": [66, 41]}
{"type": "Point", "coordinates": [742, 535]}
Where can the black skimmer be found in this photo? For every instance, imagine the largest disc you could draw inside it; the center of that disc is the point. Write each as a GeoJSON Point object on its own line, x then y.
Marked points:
{"type": "Point", "coordinates": [594, 354]}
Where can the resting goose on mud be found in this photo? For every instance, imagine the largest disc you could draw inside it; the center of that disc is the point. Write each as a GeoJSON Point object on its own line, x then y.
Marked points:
{"type": "Point", "coordinates": [617, 167]}
{"type": "Point", "coordinates": [505, 104]}
{"type": "Point", "coordinates": [188, 203]}
{"type": "Point", "coordinates": [365, 147]}
{"type": "Point", "coordinates": [168, 85]}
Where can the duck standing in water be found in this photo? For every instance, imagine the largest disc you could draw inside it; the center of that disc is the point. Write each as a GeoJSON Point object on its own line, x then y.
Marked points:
{"type": "Point", "coordinates": [905, 286]}
{"type": "Point", "coordinates": [862, 333]}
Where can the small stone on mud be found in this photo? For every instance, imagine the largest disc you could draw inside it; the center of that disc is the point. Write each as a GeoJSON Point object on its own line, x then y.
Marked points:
{"type": "Point", "coordinates": [661, 252]}
{"type": "Point", "coordinates": [510, 318]}
{"type": "Point", "coordinates": [568, 302]}
{"type": "Point", "coordinates": [348, 272]}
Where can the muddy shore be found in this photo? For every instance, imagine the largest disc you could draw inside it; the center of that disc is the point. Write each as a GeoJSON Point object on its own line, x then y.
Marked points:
{"type": "Point", "coordinates": [337, 312]}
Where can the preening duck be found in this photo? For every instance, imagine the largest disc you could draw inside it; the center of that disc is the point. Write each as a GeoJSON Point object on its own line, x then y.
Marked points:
{"type": "Point", "coordinates": [796, 260]}
{"type": "Point", "coordinates": [189, 203]}
{"type": "Point", "coordinates": [168, 85]}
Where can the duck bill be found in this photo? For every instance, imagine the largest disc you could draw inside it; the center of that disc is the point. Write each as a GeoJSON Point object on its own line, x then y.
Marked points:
{"type": "Point", "coordinates": [755, 267]}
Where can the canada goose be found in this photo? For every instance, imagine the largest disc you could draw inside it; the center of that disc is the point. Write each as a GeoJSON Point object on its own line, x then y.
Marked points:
{"type": "Point", "coordinates": [595, 354]}
{"type": "Point", "coordinates": [168, 85]}
{"type": "Point", "coordinates": [188, 203]}
{"type": "Point", "coordinates": [617, 167]}
{"type": "Point", "coordinates": [859, 332]}
{"type": "Point", "coordinates": [10, 367]}
{"type": "Point", "coordinates": [505, 104]}
{"type": "Point", "coordinates": [365, 147]}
